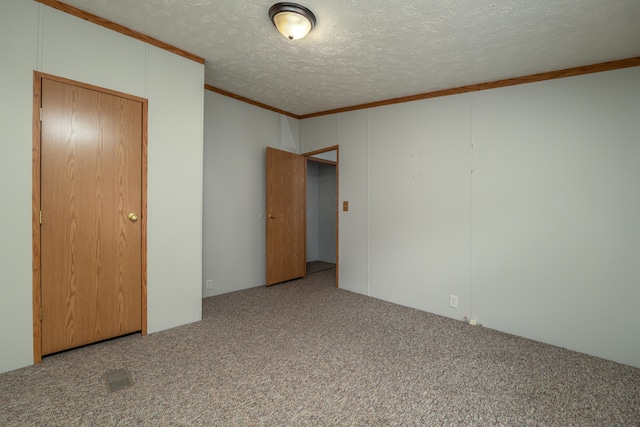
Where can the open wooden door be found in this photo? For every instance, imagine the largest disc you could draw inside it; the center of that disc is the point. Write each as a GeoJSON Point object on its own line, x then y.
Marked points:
{"type": "Point", "coordinates": [286, 216]}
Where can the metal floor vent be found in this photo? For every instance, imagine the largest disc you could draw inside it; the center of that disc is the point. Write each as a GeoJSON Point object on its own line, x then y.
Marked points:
{"type": "Point", "coordinates": [119, 379]}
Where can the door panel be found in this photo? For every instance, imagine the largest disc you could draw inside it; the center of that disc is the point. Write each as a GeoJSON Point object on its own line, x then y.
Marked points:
{"type": "Point", "coordinates": [91, 180]}
{"type": "Point", "coordinates": [286, 233]}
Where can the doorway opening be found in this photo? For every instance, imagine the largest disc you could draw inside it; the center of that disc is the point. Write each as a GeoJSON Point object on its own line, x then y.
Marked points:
{"type": "Point", "coordinates": [322, 210]}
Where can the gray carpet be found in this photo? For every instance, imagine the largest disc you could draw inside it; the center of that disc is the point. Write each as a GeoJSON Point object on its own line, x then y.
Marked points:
{"type": "Point", "coordinates": [304, 353]}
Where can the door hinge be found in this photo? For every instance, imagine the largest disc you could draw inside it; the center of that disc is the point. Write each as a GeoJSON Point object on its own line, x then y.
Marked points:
{"type": "Point", "coordinates": [40, 113]}
{"type": "Point", "coordinates": [40, 217]}
{"type": "Point", "coordinates": [41, 313]}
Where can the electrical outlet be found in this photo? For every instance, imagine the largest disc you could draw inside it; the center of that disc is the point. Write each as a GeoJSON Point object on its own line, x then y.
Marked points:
{"type": "Point", "coordinates": [453, 301]}
{"type": "Point", "coordinates": [209, 284]}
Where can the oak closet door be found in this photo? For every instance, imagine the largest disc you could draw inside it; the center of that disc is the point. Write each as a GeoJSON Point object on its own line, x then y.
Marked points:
{"type": "Point", "coordinates": [91, 195]}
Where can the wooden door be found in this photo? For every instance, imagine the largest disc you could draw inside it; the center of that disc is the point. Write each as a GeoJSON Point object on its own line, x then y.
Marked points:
{"type": "Point", "coordinates": [91, 215]}
{"type": "Point", "coordinates": [286, 216]}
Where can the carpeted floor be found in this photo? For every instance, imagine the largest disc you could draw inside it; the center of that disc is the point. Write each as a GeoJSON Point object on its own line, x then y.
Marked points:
{"type": "Point", "coordinates": [304, 353]}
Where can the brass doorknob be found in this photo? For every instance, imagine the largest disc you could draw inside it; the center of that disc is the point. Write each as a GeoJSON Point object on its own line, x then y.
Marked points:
{"type": "Point", "coordinates": [272, 216]}
{"type": "Point", "coordinates": [133, 217]}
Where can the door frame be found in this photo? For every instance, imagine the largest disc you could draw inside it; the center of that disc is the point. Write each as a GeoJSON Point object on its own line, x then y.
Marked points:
{"type": "Point", "coordinates": [36, 191]}
{"type": "Point", "coordinates": [308, 158]}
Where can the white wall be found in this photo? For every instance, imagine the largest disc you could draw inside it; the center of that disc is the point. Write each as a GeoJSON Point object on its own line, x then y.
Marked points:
{"type": "Point", "coordinates": [556, 224]}
{"type": "Point", "coordinates": [36, 37]}
{"type": "Point", "coordinates": [419, 200]}
{"type": "Point", "coordinates": [18, 59]}
{"type": "Point", "coordinates": [236, 135]}
{"type": "Point", "coordinates": [175, 89]}
{"type": "Point", "coordinates": [541, 240]}
{"type": "Point", "coordinates": [312, 211]}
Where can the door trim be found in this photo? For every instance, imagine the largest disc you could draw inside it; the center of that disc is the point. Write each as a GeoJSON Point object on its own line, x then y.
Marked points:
{"type": "Point", "coordinates": [308, 158]}
{"type": "Point", "coordinates": [35, 202]}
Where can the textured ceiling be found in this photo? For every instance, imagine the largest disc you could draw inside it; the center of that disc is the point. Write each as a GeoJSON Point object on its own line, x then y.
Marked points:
{"type": "Point", "coordinates": [366, 51]}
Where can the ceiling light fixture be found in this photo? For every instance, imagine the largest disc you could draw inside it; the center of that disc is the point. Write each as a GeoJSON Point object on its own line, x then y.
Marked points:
{"type": "Point", "coordinates": [292, 20]}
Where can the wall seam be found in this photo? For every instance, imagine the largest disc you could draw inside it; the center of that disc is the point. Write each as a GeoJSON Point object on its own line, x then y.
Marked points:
{"type": "Point", "coordinates": [471, 195]}
{"type": "Point", "coordinates": [146, 71]}
{"type": "Point", "coordinates": [368, 203]}
{"type": "Point", "coordinates": [40, 48]}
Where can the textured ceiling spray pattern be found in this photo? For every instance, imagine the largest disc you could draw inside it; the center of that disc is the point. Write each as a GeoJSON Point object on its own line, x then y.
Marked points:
{"type": "Point", "coordinates": [363, 52]}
